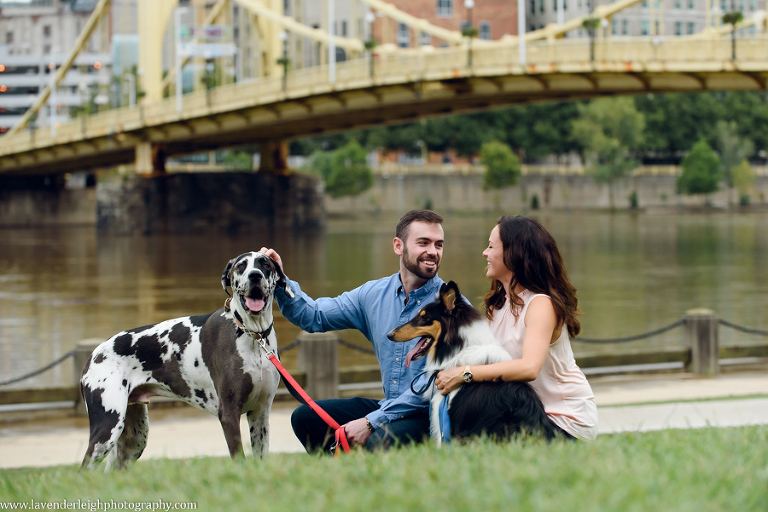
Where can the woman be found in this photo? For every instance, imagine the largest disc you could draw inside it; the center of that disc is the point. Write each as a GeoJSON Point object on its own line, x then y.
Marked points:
{"type": "Point", "coordinates": [532, 309]}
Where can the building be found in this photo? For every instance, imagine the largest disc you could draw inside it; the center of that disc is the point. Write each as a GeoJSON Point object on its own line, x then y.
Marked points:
{"type": "Point", "coordinates": [492, 18]}
{"type": "Point", "coordinates": [647, 18]}
{"type": "Point", "coordinates": [35, 39]}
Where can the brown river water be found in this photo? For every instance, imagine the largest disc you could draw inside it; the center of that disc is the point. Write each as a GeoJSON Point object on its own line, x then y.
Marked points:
{"type": "Point", "coordinates": [634, 273]}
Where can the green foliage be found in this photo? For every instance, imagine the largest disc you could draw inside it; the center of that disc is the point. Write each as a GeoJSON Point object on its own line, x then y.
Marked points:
{"type": "Point", "coordinates": [733, 148]}
{"type": "Point", "coordinates": [345, 171]}
{"type": "Point", "coordinates": [733, 18]}
{"type": "Point", "coordinates": [237, 161]}
{"type": "Point", "coordinates": [609, 129]}
{"type": "Point", "coordinates": [743, 178]}
{"type": "Point", "coordinates": [694, 470]}
{"type": "Point", "coordinates": [502, 167]}
{"type": "Point", "coordinates": [700, 170]}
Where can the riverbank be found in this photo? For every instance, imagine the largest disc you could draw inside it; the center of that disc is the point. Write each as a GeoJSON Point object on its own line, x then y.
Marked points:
{"type": "Point", "coordinates": [218, 201]}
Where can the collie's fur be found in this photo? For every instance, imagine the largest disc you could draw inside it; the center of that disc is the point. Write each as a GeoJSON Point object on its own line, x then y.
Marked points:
{"type": "Point", "coordinates": [454, 334]}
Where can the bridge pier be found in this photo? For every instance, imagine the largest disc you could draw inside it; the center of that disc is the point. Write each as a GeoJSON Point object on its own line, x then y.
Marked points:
{"type": "Point", "coordinates": [150, 159]}
{"type": "Point", "coordinates": [274, 157]}
{"type": "Point", "coordinates": [237, 202]}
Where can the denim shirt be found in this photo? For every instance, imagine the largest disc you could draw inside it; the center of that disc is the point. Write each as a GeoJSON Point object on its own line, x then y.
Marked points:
{"type": "Point", "coordinates": [374, 308]}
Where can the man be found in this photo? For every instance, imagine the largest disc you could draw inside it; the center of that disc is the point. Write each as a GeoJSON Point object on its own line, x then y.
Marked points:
{"type": "Point", "coordinates": [375, 308]}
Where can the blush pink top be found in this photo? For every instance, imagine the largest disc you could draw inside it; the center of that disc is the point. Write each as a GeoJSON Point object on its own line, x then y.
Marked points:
{"type": "Point", "coordinates": [561, 385]}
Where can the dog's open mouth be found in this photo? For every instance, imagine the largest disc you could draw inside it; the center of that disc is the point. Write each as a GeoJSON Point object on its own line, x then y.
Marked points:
{"type": "Point", "coordinates": [255, 303]}
{"type": "Point", "coordinates": [419, 351]}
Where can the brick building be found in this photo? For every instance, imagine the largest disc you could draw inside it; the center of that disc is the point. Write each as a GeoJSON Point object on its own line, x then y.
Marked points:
{"type": "Point", "coordinates": [492, 18]}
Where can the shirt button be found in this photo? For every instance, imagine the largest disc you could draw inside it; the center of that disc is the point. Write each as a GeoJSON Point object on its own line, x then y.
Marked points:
{"type": "Point", "coordinates": [394, 382]}
{"type": "Point", "coordinates": [397, 359]}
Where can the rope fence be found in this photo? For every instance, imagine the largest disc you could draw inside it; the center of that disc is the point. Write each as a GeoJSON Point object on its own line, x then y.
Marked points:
{"type": "Point", "coordinates": [352, 346]}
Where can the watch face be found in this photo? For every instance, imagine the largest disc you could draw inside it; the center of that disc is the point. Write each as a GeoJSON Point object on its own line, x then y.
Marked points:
{"type": "Point", "coordinates": [467, 377]}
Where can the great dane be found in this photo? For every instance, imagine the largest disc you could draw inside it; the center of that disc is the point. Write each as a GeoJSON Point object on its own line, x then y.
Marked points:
{"type": "Point", "coordinates": [213, 362]}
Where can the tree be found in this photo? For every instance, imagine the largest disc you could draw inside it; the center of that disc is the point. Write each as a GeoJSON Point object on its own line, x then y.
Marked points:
{"type": "Point", "coordinates": [350, 174]}
{"type": "Point", "coordinates": [609, 129]}
{"type": "Point", "coordinates": [733, 18]}
{"type": "Point", "coordinates": [502, 167]}
{"type": "Point", "coordinates": [733, 149]}
{"type": "Point", "coordinates": [700, 170]}
{"type": "Point", "coordinates": [743, 179]}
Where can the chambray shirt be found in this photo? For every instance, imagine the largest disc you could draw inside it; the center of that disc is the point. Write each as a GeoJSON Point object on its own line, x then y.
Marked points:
{"type": "Point", "coordinates": [374, 308]}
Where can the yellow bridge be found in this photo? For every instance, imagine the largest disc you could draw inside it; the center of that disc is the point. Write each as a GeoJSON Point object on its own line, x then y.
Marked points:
{"type": "Point", "coordinates": [368, 90]}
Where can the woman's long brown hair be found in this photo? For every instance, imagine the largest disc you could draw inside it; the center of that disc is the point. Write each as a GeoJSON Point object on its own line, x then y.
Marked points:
{"type": "Point", "coordinates": [531, 253]}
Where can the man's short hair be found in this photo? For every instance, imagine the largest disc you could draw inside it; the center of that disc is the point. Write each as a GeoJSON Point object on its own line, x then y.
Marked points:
{"type": "Point", "coordinates": [428, 216]}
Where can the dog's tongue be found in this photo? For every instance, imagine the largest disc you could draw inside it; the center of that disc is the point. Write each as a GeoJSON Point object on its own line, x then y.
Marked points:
{"type": "Point", "coordinates": [415, 350]}
{"type": "Point", "coordinates": [254, 305]}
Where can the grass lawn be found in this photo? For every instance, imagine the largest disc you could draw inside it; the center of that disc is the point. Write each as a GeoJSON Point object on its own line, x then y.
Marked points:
{"type": "Point", "coordinates": [712, 469]}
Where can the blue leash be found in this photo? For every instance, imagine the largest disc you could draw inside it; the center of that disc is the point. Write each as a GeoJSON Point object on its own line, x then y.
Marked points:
{"type": "Point", "coordinates": [445, 420]}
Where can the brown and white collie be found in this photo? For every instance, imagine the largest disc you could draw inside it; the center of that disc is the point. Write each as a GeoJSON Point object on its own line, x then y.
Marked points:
{"type": "Point", "coordinates": [453, 334]}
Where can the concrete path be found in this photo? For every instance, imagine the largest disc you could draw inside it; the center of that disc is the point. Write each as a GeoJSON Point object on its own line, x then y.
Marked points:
{"type": "Point", "coordinates": [625, 403]}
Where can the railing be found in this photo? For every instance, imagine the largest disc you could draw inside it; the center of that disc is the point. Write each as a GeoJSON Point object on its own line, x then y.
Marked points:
{"type": "Point", "coordinates": [319, 372]}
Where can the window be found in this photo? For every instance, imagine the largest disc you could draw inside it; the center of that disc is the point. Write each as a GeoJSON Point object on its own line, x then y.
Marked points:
{"type": "Point", "coordinates": [678, 4]}
{"type": "Point", "coordinates": [541, 5]}
{"type": "Point", "coordinates": [644, 28]}
{"type": "Point", "coordinates": [533, 7]}
{"type": "Point", "coordinates": [344, 28]}
{"type": "Point", "coordinates": [691, 27]}
{"type": "Point", "coordinates": [485, 30]}
{"type": "Point", "coordinates": [444, 8]}
{"type": "Point", "coordinates": [9, 38]}
{"type": "Point", "coordinates": [425, 39]}
{"type": "Point", "coordinates": [691, 4]}
{"type": "Point", "coordinates": [403, 35]}
{"type": "Point", "coordinates": [46, 31]}
{"type": "Point", "coordinates": [678, 28]}
{"type": "Point", "coordinates": [625, 27]}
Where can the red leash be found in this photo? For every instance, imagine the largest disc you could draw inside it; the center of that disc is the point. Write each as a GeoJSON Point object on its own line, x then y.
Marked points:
{"type": "Point", "coordinates": [341, 435]}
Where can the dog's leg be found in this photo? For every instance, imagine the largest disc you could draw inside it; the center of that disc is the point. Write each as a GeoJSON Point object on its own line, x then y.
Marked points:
{"type": "Point", "coordinates": [258, 423]}
{"type": "Point", "coordinates": [133, 440]}
{"type": "Point", "coordinates": [230, 424]}
{"type": "Point", "coordinates": [106, 428]}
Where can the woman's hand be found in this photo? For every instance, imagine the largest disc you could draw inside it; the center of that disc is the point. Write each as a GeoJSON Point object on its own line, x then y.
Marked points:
{"type": "Point", "coordinates": [448, 380]}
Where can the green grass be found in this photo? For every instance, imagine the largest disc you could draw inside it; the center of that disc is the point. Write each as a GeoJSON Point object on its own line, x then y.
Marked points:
{"type": "Point", "coordinates": [712, 469]}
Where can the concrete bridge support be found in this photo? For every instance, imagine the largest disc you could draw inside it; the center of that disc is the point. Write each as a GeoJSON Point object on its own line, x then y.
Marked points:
{"type": "Point", "coordinates": [274, 157]}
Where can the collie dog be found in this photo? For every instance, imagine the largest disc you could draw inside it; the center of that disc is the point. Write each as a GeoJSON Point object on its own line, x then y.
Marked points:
{"type": "Point", "coordinates": [453, 334]}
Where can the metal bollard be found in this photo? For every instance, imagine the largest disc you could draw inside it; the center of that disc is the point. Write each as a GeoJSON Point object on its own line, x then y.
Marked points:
{"type": "Point", "coordinates": [318, 358]}
{"type": "Point", "coordinates": [701, 338]}
{"type": "Point", "coordinates": [83, 353]}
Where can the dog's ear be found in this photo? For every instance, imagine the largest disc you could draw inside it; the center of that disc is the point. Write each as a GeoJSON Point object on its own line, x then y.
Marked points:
{"type": "Point", "coordinates": [281, 279]}
{"type": "Point", "coordinates": [226, 281]}
{"type": "Point", "coordinates": [449, 293]}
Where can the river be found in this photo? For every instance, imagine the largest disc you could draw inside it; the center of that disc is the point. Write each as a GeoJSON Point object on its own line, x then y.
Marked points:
{"type": "Point", "coordinates": [633, 272]}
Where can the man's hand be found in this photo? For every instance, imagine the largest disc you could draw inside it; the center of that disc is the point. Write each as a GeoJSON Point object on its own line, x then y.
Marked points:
{"type": "Point", "coordinates": [357, 431]}
{"type": "Point", "coordinates": [273, 254]}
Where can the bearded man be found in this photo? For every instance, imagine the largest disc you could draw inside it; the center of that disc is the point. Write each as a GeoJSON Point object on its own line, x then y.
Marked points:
{"type": "Point", "coordinates": [375, 308]}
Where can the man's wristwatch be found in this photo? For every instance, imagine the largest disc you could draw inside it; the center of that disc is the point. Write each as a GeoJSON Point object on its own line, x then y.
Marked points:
{"type": "Point", "coordinates": [369, 425]}
{"type": "Point", "coordinates": [467, 374]}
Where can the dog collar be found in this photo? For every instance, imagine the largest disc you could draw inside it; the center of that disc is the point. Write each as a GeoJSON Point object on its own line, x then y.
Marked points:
{"type": "Point", "coordinates": [257, 335]}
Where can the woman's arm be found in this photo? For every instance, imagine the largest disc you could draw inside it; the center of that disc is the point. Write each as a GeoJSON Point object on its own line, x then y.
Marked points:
{"type": "Point", "coordinates": [541, 330]}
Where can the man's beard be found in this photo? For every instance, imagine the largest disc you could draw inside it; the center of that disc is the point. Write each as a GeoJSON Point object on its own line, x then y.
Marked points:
{"type": "Point", "coordinates": [413, 266]}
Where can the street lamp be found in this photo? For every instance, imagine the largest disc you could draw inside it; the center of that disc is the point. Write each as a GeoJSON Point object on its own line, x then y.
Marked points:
{"type": "Point", "coordinates": [469, 31]}
{"type": "Point", "coordinates": [283, 61]}
{"type": "Point", "coordinates": [371, 43]}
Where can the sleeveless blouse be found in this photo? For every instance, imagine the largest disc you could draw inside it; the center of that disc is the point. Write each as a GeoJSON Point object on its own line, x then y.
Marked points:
{"type": "Point", "coordinates": [561, 385]}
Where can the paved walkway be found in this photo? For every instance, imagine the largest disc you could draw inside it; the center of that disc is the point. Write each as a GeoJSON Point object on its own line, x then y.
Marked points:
{"type": "Point", "coordinates": [625, 403]}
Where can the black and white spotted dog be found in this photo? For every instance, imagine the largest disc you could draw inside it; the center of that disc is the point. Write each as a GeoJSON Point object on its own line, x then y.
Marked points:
{"type": "Point", "coordinates": [213, 362]}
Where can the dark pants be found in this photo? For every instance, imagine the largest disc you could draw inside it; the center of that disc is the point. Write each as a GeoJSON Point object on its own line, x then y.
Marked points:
{"type": "Point", "coordinates": [315, 435]}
